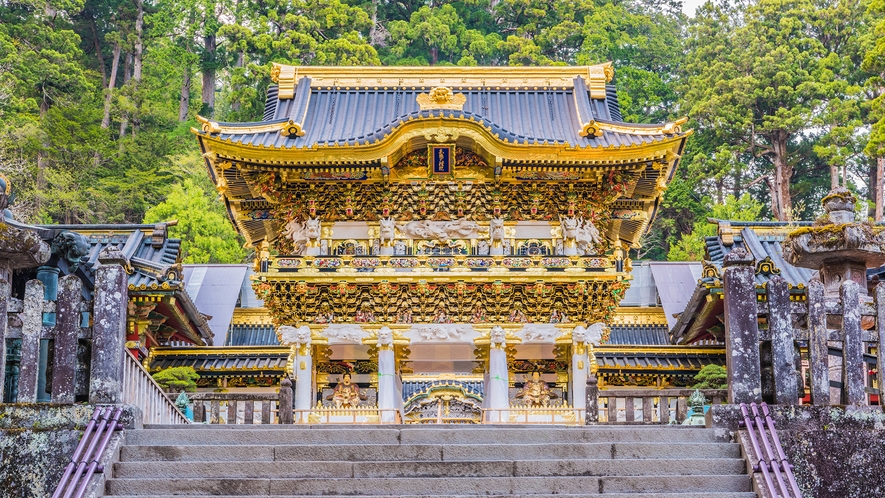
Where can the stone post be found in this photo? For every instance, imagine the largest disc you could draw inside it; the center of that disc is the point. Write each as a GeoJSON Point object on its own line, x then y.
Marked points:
{"type": "Point", "coordinates": [880, 333]}
{"type": "Point", "coordinates": [783, 351]}
{"type": "Point", "coordinates": [4, 321]}
{"type": "Point", "coordinates": [852, 347]}
{"type": "Point", "coordinates": [284, 410]}
{"type": "Point", "coordinates": [818, 352]}
{"type": "Point", "coordinates": [108, 334]}
{"type": "Point", "coordinates": [64, 367]}
{"type": "Point", "coordinates": [591, 416]}
{"type": "Point", "coordinates": [32, 327]}
{"type": "Point", "coordinates": [741, 328]}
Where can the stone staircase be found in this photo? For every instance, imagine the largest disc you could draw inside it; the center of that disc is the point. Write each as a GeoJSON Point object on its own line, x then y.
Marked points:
{"type": "Point", "coordinates": [616, 462]}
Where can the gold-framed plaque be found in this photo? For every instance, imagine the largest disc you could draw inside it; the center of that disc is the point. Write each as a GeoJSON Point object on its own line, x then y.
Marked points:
{"type": "Point", "coordinates": [441, 159]}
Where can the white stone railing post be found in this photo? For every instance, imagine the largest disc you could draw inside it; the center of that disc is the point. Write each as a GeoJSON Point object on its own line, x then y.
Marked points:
{"type": "Point", "coordinates": [141, 390]}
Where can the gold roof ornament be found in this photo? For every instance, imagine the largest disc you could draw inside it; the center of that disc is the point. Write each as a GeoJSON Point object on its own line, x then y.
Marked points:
{"type": "Point", "coordinates": [441, 97]}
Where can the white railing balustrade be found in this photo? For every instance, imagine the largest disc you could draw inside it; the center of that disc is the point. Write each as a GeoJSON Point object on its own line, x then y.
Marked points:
{"type": "Point", "coordinates": [140, 389]}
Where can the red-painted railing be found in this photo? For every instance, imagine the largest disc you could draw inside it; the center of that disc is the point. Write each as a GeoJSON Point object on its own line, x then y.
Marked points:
{"type": "Point", "coordinates": [85, 462]}
{"type": "Point", "coordinates": [771, 461]}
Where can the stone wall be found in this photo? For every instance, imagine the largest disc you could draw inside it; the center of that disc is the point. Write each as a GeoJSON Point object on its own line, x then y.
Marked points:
{"type": "Point", "coordinates": [836, 451]}
{"type": "Point", "coordinates": [37, 442]}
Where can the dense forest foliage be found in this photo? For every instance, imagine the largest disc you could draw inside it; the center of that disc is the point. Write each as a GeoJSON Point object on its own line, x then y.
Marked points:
{"type": "Point", "coordinates": [97, 96]}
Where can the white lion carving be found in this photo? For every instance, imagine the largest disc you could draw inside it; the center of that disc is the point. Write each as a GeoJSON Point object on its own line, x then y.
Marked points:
{"type": "Point", "coordinates": [498, 337]}
{"type": "Point", "coordinates": [385, 337]}
{"type": "Point", "coordinates": [313, 228]}
{"type": "Point", "coordinates": [387, 230]}
{"type": "Point", "coordinates": [289, 335]}
{"type": "Point", "coordinates": [587, 237]}
{"type": "Point", "coordinates": [569, 227]}
{"type": "Point", "coordinates": [496, 229]}
{"type": "Point", "coordinates": [296, 232]}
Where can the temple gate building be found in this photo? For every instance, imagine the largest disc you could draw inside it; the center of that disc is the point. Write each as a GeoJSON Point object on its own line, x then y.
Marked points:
{"type": "Point", "coordinates": [441, 228]}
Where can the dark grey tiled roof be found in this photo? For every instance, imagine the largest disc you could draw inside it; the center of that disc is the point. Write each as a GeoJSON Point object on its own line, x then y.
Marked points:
{"type": "Point", "coordinates": [644, 361]}
{"type": "Point", "coordinates": [151, 258]}
{"type": "Point", "coordinates": [640, 335]}
{"type": "Point", "coordinates": [761, 247]}
{"type": "Point", "coordinates": [222, 362]}
{"type": "Point", "coordinates": [251, 335]}
{"type": "Point", "coordinates": [342, 116]}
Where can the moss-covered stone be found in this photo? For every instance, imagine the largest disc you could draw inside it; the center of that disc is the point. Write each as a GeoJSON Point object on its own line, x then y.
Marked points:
{"type": "Point", "coordinates": [33, 460]}
{"type": "Point", "coordinates": [837, 463]}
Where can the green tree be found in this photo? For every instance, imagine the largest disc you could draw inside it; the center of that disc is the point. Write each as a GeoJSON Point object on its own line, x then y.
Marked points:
{"type": "Point", "coordinates": [206, 233]}
{"type": "Point", "coordinates": [874, 65]}
{"type": "Point", "coordinates": [691, 246]}
{"type": "Point", "coordinates": [711, 377]}
{"type": "Point", "coordinates": [177, 379]}
{"type": "Point", "coordinates": [757, 80]}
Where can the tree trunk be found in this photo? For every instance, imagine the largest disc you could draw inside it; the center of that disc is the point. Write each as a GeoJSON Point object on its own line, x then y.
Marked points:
{"type": "Point", "coordinates": [241, 60]}
{"type": "Point", "coordinates": [209, 75]}
{"type": "Point", "coordinates": [98, 54]}
{"type": "Point", "coordinates": [184, 101]}
{"type": "Point", "coordinates": [112, 81]}
{"type": "Point", "coordinates": [880, 183]}
{"type": "Point", "coordinates": [834, 177]}
{"type": "Point", "coordinates": [136, 61]}
{"type": "Point", "coordinates": [783, 172]}
{"type": "Point", "coordinates": [127, 74]}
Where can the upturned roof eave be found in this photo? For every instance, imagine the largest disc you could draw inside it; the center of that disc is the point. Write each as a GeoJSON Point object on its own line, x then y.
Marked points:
{"type": "Point", "coordinates": [381, 150]}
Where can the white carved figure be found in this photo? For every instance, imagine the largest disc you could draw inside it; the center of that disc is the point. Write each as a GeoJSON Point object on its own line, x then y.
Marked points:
{"type": "Point", "coordinates": [385, 337]}
{"type": "Point", "coordinates": [496, 230]}
{"type": "Point", "coordinates": [313, 228]}
{"type": "Point", "coordinates": [540, 332]}
{"type": "Point", "coordinates": [461, 229]}
{"type": "Point", "coordinates": [579, 335]}
{"type": "Point", "coordinates": [498, 337]}
{"type": "Point", "coordinates": [441, 333]}
{"type": "Point", "coordinates": [387, 230]}
{"type": "Point", "coordinates": [290, 336]}
{"type": "Point", "coordinates": [295, 231]}
{"type": "Point", "coordinates": [399, 248]}
{"type": "Point", "coordinates": [587, 237]}
{"type": "Point", "coordinates": [482, 248]}
{"type": "Point", "coordinates": [593, 333]}
{"type": "Point", "coordinates": [569, 226]}
{"type": "Point", "coordinates": [440, 230]}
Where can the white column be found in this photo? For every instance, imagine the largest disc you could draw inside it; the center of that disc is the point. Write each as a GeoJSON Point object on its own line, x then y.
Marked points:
{"type": "Point", "coordinates": [498, 383]}
{"type": "Point", "coordinates": [580, 370]}
{"type": "Point", "coordinates": [387, 392]}
{"type": "Point", "coordinates": [303, 370]}
{"type": "Point", "coordinates": [387, 385]}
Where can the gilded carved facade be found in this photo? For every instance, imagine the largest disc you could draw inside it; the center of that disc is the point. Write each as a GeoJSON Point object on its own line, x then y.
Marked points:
{"type": "Point", "coordinates": [442, 202]}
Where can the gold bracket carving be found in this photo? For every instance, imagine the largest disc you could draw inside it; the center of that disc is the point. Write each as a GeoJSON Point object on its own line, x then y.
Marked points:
{"type": "Point", "coordinates": [441, 97]}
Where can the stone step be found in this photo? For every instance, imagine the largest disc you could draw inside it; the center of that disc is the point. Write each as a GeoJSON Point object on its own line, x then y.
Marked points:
{"type": "Point", "coordinates": [425, 452]}
{"type": "Point", "coordinates": [502, 468]}
{"type": "Point", "coordinates": [651, 486]}
{"type": "Point", "coordinates": [736, 494]}
{"type": "Point", "coordinates": [261, 435]}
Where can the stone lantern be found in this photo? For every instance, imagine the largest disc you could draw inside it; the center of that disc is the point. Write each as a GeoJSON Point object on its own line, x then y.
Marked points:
{"type": "Point", "coordinates": [838, 247]}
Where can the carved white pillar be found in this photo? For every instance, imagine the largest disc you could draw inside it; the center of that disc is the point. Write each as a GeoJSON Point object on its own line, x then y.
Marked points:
{"type": "Point", "coordinates": [580, 369]}
{"type": "Point", "coordinates": [387, 392]}
{"type": "Point", "coordinates": [498, 380]}
{"type": "Point", "coordinates": [302, 368]}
